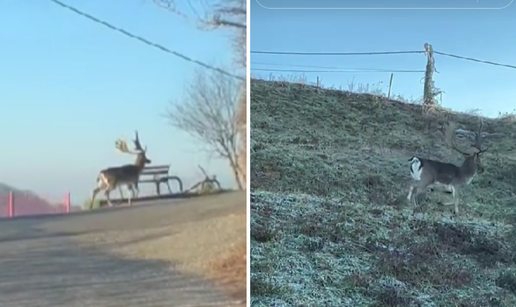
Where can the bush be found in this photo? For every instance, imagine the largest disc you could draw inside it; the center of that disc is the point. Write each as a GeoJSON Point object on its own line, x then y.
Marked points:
{"type": "Point", "coordinates": [86, 205]}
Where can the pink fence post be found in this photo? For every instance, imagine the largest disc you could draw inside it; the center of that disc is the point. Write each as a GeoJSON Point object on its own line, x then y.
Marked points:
{"type": "Point", "coordinates": [10, 204]}
{"type": "Point", "coordinates": [67, 203]}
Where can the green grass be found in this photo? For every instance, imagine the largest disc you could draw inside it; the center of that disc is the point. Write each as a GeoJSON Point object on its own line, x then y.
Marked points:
{"type": "Point", "coordinates": [330, 224]}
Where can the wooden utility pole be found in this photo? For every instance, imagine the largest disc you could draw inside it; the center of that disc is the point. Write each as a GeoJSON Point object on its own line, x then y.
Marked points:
{"type": "Point", "coordinates": [428, 91]}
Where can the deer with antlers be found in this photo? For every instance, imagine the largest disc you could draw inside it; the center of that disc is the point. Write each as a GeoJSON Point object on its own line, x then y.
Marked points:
{"type": "Point", "coordinates": [113, 177]}
{"type": "Point", "coordinates": [426, 172]}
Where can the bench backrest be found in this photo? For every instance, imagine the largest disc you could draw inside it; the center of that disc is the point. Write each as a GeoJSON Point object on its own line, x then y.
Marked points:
{"type": "Point", "coordinates": [155, 170]}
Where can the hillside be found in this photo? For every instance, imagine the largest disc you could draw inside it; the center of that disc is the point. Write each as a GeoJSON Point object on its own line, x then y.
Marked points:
{"type": "Point", "coordinates": [26, 202]}
{"type": "Point", "coordinates": [330, 223]}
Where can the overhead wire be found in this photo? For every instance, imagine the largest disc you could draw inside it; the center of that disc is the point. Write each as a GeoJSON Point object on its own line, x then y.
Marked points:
{"type": "Point", "coordinates": [334, 67]}
{"type": "Point", "coordinates": [143, 40]}
{"type": "Point", "coordinates": [336, 53]}
{"type": "Point", "coordinates": [340, 71]}
{"type": "Point", "coordinates": [381, 53]}
{"type": "Point", "coordinates": [474, 60]}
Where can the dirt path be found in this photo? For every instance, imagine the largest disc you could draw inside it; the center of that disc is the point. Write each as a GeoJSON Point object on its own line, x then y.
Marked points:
{"type": "Point", "coordinates": [150, 255]}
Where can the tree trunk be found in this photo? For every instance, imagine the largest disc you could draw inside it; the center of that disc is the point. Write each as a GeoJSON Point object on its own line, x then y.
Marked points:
{"type": "Point", "coordinates": [242, 160]}
{"type": "Point", "coordinates": [242, 131]}
{"type": "Point", "coordinates": [236, 171]}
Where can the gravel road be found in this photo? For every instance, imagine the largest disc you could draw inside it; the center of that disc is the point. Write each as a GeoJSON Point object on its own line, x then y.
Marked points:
{"type": "Point", "coordinates": [44, 261]}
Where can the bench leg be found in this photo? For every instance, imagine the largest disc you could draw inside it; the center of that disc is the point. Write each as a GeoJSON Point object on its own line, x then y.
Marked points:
{"type": "Point", "coordinates": [169, 189]}
{"type": "Point", "coordinates": [158, 189]}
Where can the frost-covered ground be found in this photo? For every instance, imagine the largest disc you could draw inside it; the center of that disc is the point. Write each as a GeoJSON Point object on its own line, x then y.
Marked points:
{"type": "Point", "coordinates": [330, 224]}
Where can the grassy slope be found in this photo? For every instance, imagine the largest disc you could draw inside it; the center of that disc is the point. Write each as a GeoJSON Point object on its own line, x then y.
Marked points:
{"type": "Point", "coordinates": [330, 224]}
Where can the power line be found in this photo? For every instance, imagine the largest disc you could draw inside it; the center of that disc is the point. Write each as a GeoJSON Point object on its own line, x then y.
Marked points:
{"type": "Point", "coordinates": [339, 71]}
{"type": "Point", "coordinates": [330, 67]}
{"type": "Point", "coordinates": [337, 53]}
{"type": "Point", "coordinates": [381, 53]}
{"type": "Point", "coordinates": [143, 40]}
{"type": "Point", "coordinates": [474, 60]}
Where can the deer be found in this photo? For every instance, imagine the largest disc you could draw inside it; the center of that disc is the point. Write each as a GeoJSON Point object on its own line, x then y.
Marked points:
{"type": "Point", "coordinates": [426, 172]}
{"type": "Point", "coordinates": [110, 178]}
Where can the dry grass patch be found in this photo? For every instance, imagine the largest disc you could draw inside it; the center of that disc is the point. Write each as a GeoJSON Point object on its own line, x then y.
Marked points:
{"type": "Point", "coordinates": [230, 271]}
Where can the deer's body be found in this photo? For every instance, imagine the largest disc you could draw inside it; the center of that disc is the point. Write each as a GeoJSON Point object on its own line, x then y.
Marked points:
{"type": "Point", "coordinates": [114, 177]}
{"type": "Point", "coordinates": [426, 172]}
{"type": "Point", "coordinates": [129, 174]}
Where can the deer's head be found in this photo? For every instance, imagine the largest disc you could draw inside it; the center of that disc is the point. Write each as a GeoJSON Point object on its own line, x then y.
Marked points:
{"type": "Point", "coordinates": [471, 158]}
{"type": "Point", "coordinates": [139, 151]}
{"type": "Point", "coordinates": [475, 156]}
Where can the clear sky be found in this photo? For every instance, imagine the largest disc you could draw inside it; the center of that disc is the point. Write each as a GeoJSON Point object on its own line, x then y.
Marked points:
{"type": "Point", "coordinates": [481, 34]}
{"type": "Point", "coordinates": [70, 87]}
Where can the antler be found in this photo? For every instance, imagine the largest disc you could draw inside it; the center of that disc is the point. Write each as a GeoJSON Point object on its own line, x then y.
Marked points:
{"type": "Point", "coordinates": [122, 146]}
{"type": "Point", "coordinates": [137, 144]}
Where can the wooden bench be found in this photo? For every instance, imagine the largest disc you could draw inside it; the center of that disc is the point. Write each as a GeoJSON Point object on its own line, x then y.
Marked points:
{"type": "Point", "coordinates": [158, 174]}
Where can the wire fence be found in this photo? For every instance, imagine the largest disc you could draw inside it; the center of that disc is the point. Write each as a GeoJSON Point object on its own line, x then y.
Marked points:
{"type": "Point", "coordinates": [430, 92]}
{"type": "Point", "coordinates": [379, 53]}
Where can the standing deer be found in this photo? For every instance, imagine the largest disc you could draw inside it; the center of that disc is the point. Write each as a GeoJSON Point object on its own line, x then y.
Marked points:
{"type": "Point", "coordinates": [110, 178]}
{"type": "Point", "coordinates": [426, 172]}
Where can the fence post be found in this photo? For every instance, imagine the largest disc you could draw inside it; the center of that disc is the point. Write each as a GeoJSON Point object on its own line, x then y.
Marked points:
{"type": "Point", "coordinates": [428, 91]}
{"type": "Point", "coordinates": [390, 86]}
{"type": "Point", "coordinates": [10, 205]}
{"type": "Point", "coordinates": [67, 203]}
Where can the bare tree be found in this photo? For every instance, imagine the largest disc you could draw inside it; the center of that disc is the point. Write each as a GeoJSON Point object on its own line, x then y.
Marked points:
{"type": "Point", "coordinates": [212, 15]}
{"type": "Point", "coordinates": [229, 15]}
{"type": "Point", "coordinates": [208, 112]}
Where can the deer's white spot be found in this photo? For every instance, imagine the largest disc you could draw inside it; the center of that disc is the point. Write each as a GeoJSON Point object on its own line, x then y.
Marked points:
{"type": "Point", "coordinates": [102, 181]}
{"type": "Point", "coordinates": [415, 168]}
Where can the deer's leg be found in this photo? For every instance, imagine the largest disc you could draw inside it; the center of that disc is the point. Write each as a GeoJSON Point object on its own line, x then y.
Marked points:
{"type": "Point", "coordinates": [411, 190]}
{"type": "Point", "coordinates": [137, 190]}
{"type": "Point", "coordinates": [131, 192]}
{"type": "Point", "coordinates": [414, 192]}
{"type": "Point", "coordinates": [455, 202]}
{"type": "Point", "coordinates": [418, 186]}
{"type": "Point", "coordinates": [106, 193]}
{"type": "Point", "coordinates": [93, 195]}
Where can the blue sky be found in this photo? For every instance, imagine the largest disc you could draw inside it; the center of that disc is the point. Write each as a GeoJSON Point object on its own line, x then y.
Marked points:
{"type": "Point", "coordinates": [70, 87]}
{"type": "Point", "coordinates": [481, 34]}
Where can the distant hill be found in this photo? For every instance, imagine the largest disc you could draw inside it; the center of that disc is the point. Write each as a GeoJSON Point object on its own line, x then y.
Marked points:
{"type": "Point", "coordinates": [26, 202]}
